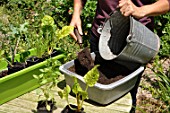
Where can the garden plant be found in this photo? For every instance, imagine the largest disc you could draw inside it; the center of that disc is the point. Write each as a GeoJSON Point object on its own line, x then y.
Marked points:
{"type": "Point", "coordinates": [90, 78]}
{"type": "Point", "coordinates": [47, 42]}
{"type": "Point", "coordinates": [48, 78]}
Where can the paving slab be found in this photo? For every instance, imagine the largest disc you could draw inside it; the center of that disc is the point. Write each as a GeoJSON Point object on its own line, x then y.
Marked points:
{"type": "Point", "coordinates": [27, 103]}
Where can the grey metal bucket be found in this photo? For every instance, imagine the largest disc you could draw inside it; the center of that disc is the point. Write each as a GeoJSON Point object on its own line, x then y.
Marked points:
{"type": "Point", "coordinates": [127, 40]}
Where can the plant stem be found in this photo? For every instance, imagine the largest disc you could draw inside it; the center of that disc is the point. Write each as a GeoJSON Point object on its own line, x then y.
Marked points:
{"type": "Point", "coordinates": [9, 63]}
{"type": "Point", "coordinates": [86, 88]}
{"type": "Point", "coordinates": [83, 99]}
{"type": "Point", "coordinates": [15, 49]}
{"type": "Point", "coordinates": [78, 102]}
{"type": "Point", "coordinates": [69, 105]}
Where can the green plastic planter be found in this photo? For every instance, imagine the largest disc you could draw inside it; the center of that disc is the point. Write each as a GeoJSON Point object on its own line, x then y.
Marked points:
{"type": "Point", "coordinates": [21, 82]}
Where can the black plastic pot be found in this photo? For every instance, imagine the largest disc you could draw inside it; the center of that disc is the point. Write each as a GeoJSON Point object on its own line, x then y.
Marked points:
{"type": "Point", "coordinates": [3, 73]}
{"type": "Point", "coordinates": [67, 109]}
{"type": "Point", "coordinates": [17, 66]}
{"type": "Point", "coordinates": [33, 60]}
{"type": "Point", "coordinates": [41, 107]}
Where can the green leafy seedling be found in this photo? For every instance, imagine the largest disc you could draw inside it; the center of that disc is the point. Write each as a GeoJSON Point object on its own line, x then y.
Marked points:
{"type": "Point", "coordinates": [49, 77]}
{"type": "Point", "coordinates": [90, 78]}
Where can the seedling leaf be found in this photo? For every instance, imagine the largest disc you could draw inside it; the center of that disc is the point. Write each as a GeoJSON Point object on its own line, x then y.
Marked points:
{"type": "Point", "coordinates": [92, 76]}
{"type": "Point", "coordinates": [48, 107]}
{"type": "Point", "coordinates": [60, 94]}
{"type": "Point", "coordinates": [47, 20]}
{"type": "Point", "coordinates": [35, 76]}
{"type": "Point", "coordinates": [76, 87]}
{"type": "Point", "coordinates": [84, 95]}
{"type": "Point", "coordinates": [65, 31]}
{"type": "Point", "coordinates": [66, 91]}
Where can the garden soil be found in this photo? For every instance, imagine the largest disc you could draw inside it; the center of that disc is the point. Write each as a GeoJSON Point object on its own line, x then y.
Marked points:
{"type": "Point", "coordinates": [109, 71]}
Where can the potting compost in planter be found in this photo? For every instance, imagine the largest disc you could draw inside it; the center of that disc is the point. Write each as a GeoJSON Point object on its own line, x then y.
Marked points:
{"type": "Point", "coordinates": [126, 45]}
{"type": "Point", "coordinates": [108, 92]}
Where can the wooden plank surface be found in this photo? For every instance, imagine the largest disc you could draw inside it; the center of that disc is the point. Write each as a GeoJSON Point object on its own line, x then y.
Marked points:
{"type": "Point", "coordinates": [27, 104]}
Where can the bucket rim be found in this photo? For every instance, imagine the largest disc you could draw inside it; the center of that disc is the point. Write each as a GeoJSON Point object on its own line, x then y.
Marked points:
{"type": "Point", "coordinates": [104, 49]}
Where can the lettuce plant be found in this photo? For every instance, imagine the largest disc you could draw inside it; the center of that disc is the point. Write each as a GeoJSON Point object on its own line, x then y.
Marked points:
{"type": "Point", "coordinates": [49, 36]}
{"type": "Point", "coordinates": [49, 77]}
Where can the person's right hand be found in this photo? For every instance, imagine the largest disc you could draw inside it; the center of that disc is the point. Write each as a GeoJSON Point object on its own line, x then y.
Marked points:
{"type": "Point", "coordinates": [127, 8]}
{"type": "Point", "coordinates": [76, 22]}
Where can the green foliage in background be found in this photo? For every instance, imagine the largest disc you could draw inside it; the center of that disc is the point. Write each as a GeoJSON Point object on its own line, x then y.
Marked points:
{"type": "Point", "coordinates": [31, 11]}
{"type": "Point", "coordinates": [163, 82]}
{"type": "Point", "coordinates": [162, 28]}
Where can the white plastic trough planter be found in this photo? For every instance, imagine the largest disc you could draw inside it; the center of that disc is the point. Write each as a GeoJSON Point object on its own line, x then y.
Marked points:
{"type": "Point", "coordinates": [101, 93]}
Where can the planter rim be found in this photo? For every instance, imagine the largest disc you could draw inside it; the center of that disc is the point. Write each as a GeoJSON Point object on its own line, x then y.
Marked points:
{"type": "Point", "coordinates": [63, 69]}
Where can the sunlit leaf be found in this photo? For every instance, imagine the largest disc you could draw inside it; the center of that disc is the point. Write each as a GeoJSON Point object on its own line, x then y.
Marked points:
{"type": "Point", "coordinates": [41, 70]}
{"type": "Point", "coordinates": [66, 91]}
{"type": "Point", "coordinates": [65, 31]}
{"type": "Point", "coordinates": [3, 64]}
{"type": "Point", "coordinates": [92, 76]}
{"type": "Point", "coordinates": [36, 76]}
{"type": "Point", "coordinates": [84, 95]}
{"type": "Point", "coordinates": [44, 81]}
{"type": "Point", "coordinates": [76, 87]}
{"type": "Point", "coordinates": [48, 107]}
{"type": "Point", "coordinates": [60, 94]}
{"type": "Point", "coordinates": [47, 20]}
{"type": "Point", "coordinates": [41, 76]}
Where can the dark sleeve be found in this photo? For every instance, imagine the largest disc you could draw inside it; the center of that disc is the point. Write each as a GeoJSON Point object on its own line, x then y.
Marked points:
{"type": "Point", "coordinates": [84, 2]}
{"type": "Point", "coordinates": [169, 4]}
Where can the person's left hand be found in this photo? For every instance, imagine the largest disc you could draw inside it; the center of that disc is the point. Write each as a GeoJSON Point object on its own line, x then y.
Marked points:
{"type": "Point", "coordinates": [128, 8]}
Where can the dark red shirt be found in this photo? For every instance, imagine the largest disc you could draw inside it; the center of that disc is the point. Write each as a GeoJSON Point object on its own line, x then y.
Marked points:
{"type": "Point", "coordinates": [105, 7]}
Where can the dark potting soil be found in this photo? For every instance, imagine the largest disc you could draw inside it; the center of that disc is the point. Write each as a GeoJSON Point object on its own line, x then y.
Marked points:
{"type": "Point", "coordinates": [17, 66]}
{"type": "Point", "coordinates": [33, 60]}
{"type": "Point", "coordinates": [3, 73]}
{"type": "Point", "coordinates": [109, 70]}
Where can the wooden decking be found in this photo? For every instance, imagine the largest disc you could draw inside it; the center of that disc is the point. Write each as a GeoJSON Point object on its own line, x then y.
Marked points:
{"type": "Point", "coordinates": [27, 104]}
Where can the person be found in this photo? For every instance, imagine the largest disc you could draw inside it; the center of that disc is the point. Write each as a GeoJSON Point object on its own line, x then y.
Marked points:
{"type": "Point", "coordinates": [142, 10]}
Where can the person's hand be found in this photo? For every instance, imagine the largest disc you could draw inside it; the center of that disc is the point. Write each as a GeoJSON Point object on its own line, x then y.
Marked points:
{"type": "Point", "coordinates": [128, 8]}
{"type": "Point", "coordinates": [76, 22]}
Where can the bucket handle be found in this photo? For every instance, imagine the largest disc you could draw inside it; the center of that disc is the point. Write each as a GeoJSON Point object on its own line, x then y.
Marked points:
{"type": "Point", "coordinates": [129, 38]}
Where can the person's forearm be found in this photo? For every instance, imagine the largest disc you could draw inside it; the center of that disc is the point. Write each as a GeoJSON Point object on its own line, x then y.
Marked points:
{"type": "Point", "coordinates": [77, 7]}
{"type": "Point", "coordinates": [76, 20]}
{"type": "Point", "coordinates": [157, 8]}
